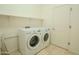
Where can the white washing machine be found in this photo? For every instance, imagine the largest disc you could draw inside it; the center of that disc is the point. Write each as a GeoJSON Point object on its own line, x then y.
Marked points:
{"type": "Point", "coordinates": [45, 37]}
{"type": "Point", "coordinates": [29, 41]}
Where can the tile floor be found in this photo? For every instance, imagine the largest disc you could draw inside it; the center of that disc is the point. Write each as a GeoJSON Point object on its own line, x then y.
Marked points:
{"type": "Point", "coordinates": [53, 50]}
{"type": "Point", "coordinates": [50, 50]}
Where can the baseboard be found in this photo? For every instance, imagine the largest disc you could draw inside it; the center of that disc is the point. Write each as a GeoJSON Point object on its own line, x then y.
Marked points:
{"type": "Point", "coordinates": [8, 52]}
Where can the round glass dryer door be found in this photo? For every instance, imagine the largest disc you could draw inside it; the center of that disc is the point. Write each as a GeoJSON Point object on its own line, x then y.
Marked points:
{"type": "Point", "coordinates": [46, 36]}
{"type": "Point", "coordinates": [34, 41]}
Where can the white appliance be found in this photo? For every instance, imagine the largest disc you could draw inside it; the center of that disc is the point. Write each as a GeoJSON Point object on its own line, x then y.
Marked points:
{"type": "Point", "coordinates": [0, 44]}
{"type": "Point", "coordinates": [45, 37]}
{"type": "Point", "coordinates": [29, 41]}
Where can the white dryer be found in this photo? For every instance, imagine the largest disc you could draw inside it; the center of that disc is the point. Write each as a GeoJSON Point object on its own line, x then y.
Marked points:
{"type": "Point", "coordinates": [29, 41]}
{"type": "Point", "coordinates": [45, 37]}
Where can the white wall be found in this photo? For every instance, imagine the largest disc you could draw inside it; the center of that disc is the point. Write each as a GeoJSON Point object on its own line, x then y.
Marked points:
{"type": "Point", "coordinates": [47, 14]}
{"type": "Point", "coordinates": [11, 22]}
{"type": "Point", "coordinates": [25, 10]}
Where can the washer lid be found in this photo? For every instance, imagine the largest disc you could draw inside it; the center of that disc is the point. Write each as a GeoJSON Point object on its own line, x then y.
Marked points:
{"type": "Point", "coordinates": [33, 42]}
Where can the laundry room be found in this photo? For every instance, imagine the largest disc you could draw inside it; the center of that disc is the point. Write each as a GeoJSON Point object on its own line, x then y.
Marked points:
{"type": "Point", "coordinates": [39, 29]}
